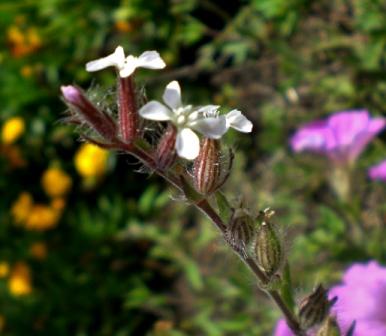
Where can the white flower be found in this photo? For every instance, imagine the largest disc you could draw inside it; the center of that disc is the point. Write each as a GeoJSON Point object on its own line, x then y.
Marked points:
{"type": "Point", "coordinates": [126, 66]}
{"type": "Point", "coordinates": [187, 119]}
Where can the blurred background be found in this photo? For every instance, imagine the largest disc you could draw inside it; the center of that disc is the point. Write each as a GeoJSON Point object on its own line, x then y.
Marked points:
{"type": "Point", "coordinates": [91, 247]}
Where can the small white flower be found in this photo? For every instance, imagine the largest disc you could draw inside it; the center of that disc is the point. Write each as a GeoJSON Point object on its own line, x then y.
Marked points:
{"type": "Point", "coordinates": [126, 66]}
{"type": "Point", "coordinates": [205, 120]}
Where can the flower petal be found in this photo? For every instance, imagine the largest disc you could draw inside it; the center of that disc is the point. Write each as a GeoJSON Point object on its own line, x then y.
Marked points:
{"type": "Point", "coordinates": [172, 95]}
{"type": "Point", "coordinates": [187, 144]}
{"type": "Point", "coordinates": [116, 59]}
{"type": "Point", "coordinates": [209, 110]}
{"type": "Point", "coordinates": [312, 136]}
{"type": "Point", "coordinates": [347, 125]}
{"type": "Point", "coordinates": [213, 128]}
{"type": "Point", "coordinates": [130, 64]}
{"type": "Point", "coordinates": [154, 110]}
{"type": "Point", "coordinates": [151, 60]}
{"type": "Point", "coordinates": [238, 121]}
{"type": "Point", "coordinates": [378, 172]}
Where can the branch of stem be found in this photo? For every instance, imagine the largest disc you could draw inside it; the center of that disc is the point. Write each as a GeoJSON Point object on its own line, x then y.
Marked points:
{"type": "Point", "coordinates": [204, 206]}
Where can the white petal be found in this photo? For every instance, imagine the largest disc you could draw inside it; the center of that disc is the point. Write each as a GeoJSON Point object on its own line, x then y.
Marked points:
{"type": "Point", "coordinates": [213, 128]}
{"type": "Point", "coordinates": [172, 95]}
{"type": "Point", "coordinates": [238, 121]}
{"type": "Point", "coordinates": [116, 59]}
{"type": "Point", "coordinates": [154, 110]}
{"type": "Point", "coordinates": [130, 64]}
{"type": "Point", "coordinates": [151, 60]}
{"type": "Point", "coordinates": [187, 144]}
{"type": "Point", "coordinates": [209, 110]}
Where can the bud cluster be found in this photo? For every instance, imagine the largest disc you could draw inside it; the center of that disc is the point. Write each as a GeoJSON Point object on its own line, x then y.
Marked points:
{"type": "Point", "coordinates": [314, 308]}
{"type": "Point", "coordinates": [329, 328]}
{"type": "Point", "coordinates": [241, 230]}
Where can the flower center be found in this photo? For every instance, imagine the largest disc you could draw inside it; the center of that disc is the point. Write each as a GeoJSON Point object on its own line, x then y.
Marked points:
{"type": "Point", "coordinates": [182, 115]}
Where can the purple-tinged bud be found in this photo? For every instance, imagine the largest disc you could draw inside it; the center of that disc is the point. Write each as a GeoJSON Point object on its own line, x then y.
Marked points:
{"type": "Point", "coordinates": [268, 245]}
{"type": "Point", "coordinates": [127, 109]}
{"type": "Point", "coordinates": [206, 167]}
{"type": "Point", "coordinates": [329, 328]}
{"type": "Point", "coordinates": [314, 308]}
{"type": "Point", "coordinates": [241, 230]}
{"type": "Point", "coordinates": [99, 121]}
{"type": "Point", "coordinates": [165, 154]}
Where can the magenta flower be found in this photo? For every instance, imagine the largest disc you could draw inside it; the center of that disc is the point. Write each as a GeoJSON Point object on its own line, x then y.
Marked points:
{"type": "Point", "coordinates": [361, 297]}
{"type": "Point", "coordinates": [378, 172]}
{"type": "Point", "coordinates": [342, 136]}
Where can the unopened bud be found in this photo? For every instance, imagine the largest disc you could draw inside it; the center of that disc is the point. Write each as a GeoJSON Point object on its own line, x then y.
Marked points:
{"type": "Point", "coordinates": [101, 122]}
{"type": "Point", "coordinates": [268, 246]}
{"type": "Point", "coordinates": [329, 328]}
{"type": "Point", "coordinates": [127, 109]}
{"type": "Point", "coordinates": [206, 168]}
{"type": "Point", "coordinates": [314, 308]}
{"type": "Point", "coordinates": [241, 230]}
{"type": "Point", "coordinates": [165, 153]}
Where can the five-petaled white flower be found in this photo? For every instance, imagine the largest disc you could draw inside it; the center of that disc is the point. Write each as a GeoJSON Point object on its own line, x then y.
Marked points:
{"type": "Point", "coordinates": [127, 65]}
{"type": "Point", "coordinates": [205, 120]}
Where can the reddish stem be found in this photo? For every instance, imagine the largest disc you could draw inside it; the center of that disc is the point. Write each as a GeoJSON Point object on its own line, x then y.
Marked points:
{"type": "Point", "coordinates": [127, 109]}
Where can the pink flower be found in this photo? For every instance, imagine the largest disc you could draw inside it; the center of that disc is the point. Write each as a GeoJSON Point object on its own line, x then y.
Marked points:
{"type": "Point", "coordinates": [361, 297]}
{"type": "Point", "coordinates": [378, 172]}
{"type": "Point", "coordinates": [342, 136]}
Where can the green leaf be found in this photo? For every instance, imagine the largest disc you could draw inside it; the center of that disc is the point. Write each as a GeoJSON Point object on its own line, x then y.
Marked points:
{"type": "Point", "coordinates": [286, 288]}
{"type": "Point", "coordinates": [223, 206]}
{"type": "Point", "coordinates": [193, 273]}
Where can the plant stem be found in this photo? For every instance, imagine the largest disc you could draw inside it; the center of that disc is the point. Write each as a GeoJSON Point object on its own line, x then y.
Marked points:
{"type": "Point", "coordinates": [204, 206]}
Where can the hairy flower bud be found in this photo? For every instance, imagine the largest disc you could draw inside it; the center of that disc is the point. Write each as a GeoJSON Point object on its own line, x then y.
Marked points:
{"type": "Point", "coordinates": [240, 230]}
{"type": "Point", "coordinates": [165, 154]}
{"type": "Point", "coordinates": [99, 121]}
{"type": "Point", "coordinates": [314, 308]}
{"type": "Point", "coordinates": [268, 246]}
{"type": "Point", "coordinates": [127, 109]}
{"type": "Point", "coordinates": [206, 168]}
{"type": "Point", "coordinates": [329, 328]}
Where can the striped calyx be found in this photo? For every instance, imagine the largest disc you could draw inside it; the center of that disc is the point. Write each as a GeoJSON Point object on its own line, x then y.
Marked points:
{"type": "Point", "coordinates": [165, 153]}
{"type": "Point", "coordinates": [207, 167]}
{"type": "Point", "coordinates": [329, 328]}
{"type": "Point", "coordinates": [240, 230]}
{"type": "Point", "coordinates": [127, 109]}
{"type": "Point", "coordinates": [314, 308]}
{"type": "Point", "coordinates": [268, 246]}
{"type": "Point", "coordinates": [88, 113]}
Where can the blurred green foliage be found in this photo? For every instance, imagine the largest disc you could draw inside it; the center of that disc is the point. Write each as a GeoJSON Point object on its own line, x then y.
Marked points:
{"type": "Point", "coordinates": [123, 259]}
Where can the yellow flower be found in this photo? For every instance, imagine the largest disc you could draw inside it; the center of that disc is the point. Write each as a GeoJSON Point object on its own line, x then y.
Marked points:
{"type": "Point", "coordinates": [19, 282]}
{"type": "Point", "coordinates": [22, 207]}
{"type": "Point", "coordinates": [13, 156]}
{"type": "Point", "coordinates": [91, 161]}
{"type": "Point", "coordinates": [56, 182]}
{"type": "Point", "coordinates": [38, 250]}
{"type": "Point", "coordinates": [23, 42]}
{"type": "Point", "coordinates": [58, 203]}
{"type": "Point", "coordinates": [26, 71]}
{"type": "Point", "coordinates": [42, 217]}
{"type": "Point", "coordinates": [4, 269]}
{"type": "Point", "coordinates": [2, 322]}
{"type": "Point", "coordinates": [12, 129]}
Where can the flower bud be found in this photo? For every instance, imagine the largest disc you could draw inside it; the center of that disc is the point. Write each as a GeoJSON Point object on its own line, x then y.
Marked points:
{"type": "Point", "coordinates": [268, 246]}
{"type": "Point", "coordinates": [314, 308]}
{"type": "Point", "coordinates": [127, 109]}
{"type": "Point", "coordinates": [206, 168]}
{"type": "Point", "coordinates": [99, 121]}
{"type": "Point", "coordinates": [165, 153]}
{"type": "Point", "coordinates": [240, 230]}
{"type": "Point", "coordinates": [329, 328]}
